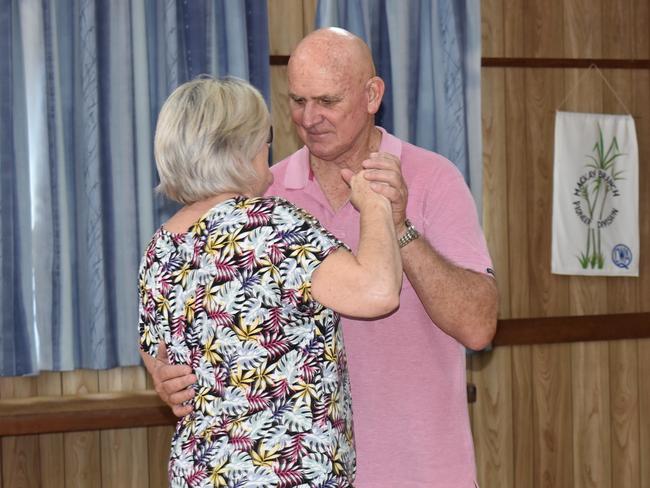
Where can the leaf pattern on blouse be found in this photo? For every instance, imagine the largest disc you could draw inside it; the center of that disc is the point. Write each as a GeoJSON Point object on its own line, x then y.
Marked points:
{"type": "Point", "coordinates": [231, 298]}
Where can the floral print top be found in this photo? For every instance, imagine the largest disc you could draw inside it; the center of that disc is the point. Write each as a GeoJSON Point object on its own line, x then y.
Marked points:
{"type": "Point", "coordinates": [231, 298]}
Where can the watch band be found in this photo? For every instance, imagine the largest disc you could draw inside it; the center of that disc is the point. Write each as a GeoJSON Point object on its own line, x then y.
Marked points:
{"type": "Point", "coordinates": [410, 235]}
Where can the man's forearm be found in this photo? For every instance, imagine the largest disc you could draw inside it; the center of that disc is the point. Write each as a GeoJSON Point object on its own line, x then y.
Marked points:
{"type": "Point", "coordinates": [461, 302]}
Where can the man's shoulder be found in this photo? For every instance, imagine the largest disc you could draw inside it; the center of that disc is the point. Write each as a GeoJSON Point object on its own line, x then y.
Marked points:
{"type": "Point", "coordinates": [418, 162]}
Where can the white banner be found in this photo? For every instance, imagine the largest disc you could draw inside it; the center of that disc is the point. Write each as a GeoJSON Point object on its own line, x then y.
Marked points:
{"type": "Point", "coordinates": [595, 195]}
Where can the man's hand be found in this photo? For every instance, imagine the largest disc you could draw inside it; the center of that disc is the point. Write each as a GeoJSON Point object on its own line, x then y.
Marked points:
{"type": "Point", "coordinates": [385, 175]}
{"type": "Point", "coordinates": [172, 382]}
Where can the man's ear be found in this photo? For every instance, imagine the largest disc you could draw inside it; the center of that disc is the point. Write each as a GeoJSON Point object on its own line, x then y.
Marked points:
{"type": "Point", "coordinates": [375, 90]}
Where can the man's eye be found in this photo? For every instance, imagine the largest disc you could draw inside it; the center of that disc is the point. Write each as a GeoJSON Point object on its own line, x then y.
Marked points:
{"type": "Point", "coordinates": [298, 101]}
{"type": "Point", "coordinates": [327, 101]}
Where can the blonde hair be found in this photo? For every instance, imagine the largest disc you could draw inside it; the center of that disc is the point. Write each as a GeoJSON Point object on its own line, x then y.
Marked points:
{"type": "Point", "coordinates": [208, 132]}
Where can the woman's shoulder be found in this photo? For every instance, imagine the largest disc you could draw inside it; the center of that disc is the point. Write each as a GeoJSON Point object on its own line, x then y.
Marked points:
{"type": "Point", "coordinates": [286, 210]}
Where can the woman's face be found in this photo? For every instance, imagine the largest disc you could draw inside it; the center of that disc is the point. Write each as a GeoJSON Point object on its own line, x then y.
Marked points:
{"type": "Point", "coordinates": [262, 170]}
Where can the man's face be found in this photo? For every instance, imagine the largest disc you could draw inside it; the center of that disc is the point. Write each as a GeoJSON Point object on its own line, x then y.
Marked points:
{"type": "Point", "coordinates": [328, 107]}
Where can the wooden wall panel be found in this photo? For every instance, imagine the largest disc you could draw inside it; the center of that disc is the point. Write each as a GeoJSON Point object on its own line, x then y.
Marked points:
{"type": "Point", "coordinates": [51, 446]}
{"type": "Point", "coordinates": [20, 455]}
{"type": "Point", "coordinates": [552, 420]}
{"type": "Point", "coordinates": [123, 451]}
{"type": "Point", "coordinates": [493, 421]}
{"type": "Point", "coordinates": [624, 390]}
{"type": "Point", "coordinates": [495, 201]}
{"type": "Point", "coordinates": [644, 411]}
{"type": "Point", "coordinates": [82, 460]}
{"type": "Point", "coordinates": [492, 32]}
{"type": "Point", "coordinates": [543, 22]}
{"type": "Point", "coordinates": [523, 426]}
{"type": "Point", "coordinates": [289, 22]}
{"type": "Point", "coordinates": [586, 401]}
{"type": "Point", "coordinates": [642, 99]}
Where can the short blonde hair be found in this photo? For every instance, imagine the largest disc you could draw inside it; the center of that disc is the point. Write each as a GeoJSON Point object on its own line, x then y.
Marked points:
{"type": "Point", "coordinates": [208, 132]}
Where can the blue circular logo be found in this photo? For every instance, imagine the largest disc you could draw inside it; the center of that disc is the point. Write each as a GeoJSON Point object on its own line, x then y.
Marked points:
{"type": "Point", "coordinates": [622, 256]}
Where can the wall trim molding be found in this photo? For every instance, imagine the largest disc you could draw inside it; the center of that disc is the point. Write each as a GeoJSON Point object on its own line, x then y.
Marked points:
{"type": "Point", "coordinates": [607, 63]}
{"type": "Point", "coordinates": [583, 328]}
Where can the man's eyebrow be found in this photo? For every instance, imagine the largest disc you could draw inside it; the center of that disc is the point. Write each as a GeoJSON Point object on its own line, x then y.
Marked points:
{"type": "Point", "coordinates": [317, 97]}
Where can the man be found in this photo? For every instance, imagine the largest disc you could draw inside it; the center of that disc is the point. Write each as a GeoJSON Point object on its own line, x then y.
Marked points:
{"type": "Point", "coordinates": [407, 369]}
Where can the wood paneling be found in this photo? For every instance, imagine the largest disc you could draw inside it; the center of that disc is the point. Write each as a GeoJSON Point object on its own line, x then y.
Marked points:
{"type": "Point", "coordinates": [576, 408]}
{"type": "Point", "coordinates": [289, 22]}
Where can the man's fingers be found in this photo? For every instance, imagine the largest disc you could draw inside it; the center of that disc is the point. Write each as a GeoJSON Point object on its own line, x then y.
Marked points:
{"type": "Point", "coordinates": [168, 372]}
{"type": "Point", "coordinates": [180, 397]}
{"type": "Point", "coordinates": [178, 384]}
{"type": "Point", "coordinates": [347, 176]}
{"type": "Point", "coordinates": [382, 161]}
{"type": "Point", "coordinates": [182, 410]}
{"type": "Point", "coordinates": [386, 190]}
{"type": "Point", "coordinates": [162, 353]}
{"type": "Point", "coordinates": [383, 176]}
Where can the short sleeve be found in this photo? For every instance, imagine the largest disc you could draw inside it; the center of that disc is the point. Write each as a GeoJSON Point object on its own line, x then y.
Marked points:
{"type": "Point", "coordinates": [148, 324]}
{"type": "Point", "coordinates": [307, 244]}
{"type": "Point", "coordinates": [452, 225]}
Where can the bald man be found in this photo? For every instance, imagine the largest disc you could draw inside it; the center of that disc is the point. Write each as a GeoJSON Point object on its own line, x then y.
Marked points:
{"type": "Point", "coordinates": [407, 369]}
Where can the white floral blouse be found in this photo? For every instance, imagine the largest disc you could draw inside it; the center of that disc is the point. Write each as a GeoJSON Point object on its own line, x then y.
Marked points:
{"type": "Point", "coordinates": [231, 298]}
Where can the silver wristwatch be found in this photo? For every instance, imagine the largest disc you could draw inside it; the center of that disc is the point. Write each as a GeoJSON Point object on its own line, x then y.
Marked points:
{"type": "Point", "coordinates": [410, 235]}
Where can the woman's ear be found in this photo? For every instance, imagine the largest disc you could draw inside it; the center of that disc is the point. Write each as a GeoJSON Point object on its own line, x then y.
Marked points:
{"type": "Point", "coordinates": [375, 89]}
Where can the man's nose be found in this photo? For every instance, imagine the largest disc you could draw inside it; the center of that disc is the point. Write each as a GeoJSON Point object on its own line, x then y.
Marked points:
{"type": "Point", "coordinates": [311, 115]}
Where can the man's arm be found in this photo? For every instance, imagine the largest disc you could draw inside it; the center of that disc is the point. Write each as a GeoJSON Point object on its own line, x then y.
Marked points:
{"type": "Point", "coordinates": [171, 382]}
{"type": "Point", "coordinates": [461, 302]}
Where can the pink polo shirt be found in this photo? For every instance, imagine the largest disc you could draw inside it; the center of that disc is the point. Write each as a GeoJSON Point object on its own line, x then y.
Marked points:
{"type": "Point", "coordinates": [408, 377]}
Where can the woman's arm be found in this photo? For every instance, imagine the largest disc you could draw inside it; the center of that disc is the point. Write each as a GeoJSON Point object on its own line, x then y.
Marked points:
{"type": "Point", "coordinates": [368, 284]}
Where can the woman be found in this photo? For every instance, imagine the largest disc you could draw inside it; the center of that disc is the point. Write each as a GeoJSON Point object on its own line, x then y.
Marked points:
{"type": "Point", "coordinates": [246, 290]}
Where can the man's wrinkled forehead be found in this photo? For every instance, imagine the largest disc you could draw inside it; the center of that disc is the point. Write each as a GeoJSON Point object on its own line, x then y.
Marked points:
{"type": "Point", "coordinates": [329, 76]}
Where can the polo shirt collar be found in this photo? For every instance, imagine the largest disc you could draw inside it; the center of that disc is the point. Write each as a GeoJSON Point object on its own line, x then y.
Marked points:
{"type": "Point", "coordinates": [299, 172]}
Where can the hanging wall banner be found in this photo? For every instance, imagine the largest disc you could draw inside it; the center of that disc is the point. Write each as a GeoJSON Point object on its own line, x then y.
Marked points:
{"type": "Point", "coordinates": [595, 195]}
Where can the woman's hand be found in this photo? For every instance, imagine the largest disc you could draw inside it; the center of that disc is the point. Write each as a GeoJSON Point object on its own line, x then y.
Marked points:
{"type": "Point", "coordinates": [362, 193]}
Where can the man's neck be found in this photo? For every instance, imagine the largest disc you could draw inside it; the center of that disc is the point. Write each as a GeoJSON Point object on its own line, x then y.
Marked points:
{"type": "Point", "coordinates": [328, 173]}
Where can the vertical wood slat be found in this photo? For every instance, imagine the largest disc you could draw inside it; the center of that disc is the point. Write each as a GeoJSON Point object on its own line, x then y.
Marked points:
{"type": "Point", "coordinates": [641, 96]}
{"type": "Point", "coordinates": [623, 293]}
{"type": "Point", "coordinates": [159, 444]}
{"type": "Point", "coordinates": [492, 28]}
{"type": "Point", "coordinates": [21, 466]}
{"type": "Point", "coordinates": [495, 201]}
{"type": "Point", "coordinates": [552, 422]}
{"type": "Point", "coordinates": [644, 410]}
{"type": "Point", "coordinates": [492, 422]}
{"type": "Point", "coordinates": [83, 450]}
{"type": "Point", "coordinates": [642, 99]}
{"type": "Point", "coordinates": [286, 25]}
{"type": "Point", "coordinates": [590, 361]}
{"type": "Point", "coordinates": [523, 442]}
{"type": "Point", "coordinates": [123, 451]}
{"type": "Point", "coordinates": [289, 22]}
{"type": "Point", "coordinates": [548, 294]}
{"type": "Point", "coordinates": [51, 447]}
{"type": "Point", "coordinates": [286, 140]}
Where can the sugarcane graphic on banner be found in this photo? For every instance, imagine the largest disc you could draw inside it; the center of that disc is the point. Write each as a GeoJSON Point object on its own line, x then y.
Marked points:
{"type": "Point", "coordinates": [596, 190]}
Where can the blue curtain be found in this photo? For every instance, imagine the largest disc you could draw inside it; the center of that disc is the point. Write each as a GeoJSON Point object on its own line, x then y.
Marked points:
{"type": "Point", "coordinates": [81, 83]}
{"type": "Point", "coordinates": [429, 54]}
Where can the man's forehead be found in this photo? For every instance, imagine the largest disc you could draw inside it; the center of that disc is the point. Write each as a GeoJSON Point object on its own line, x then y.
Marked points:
{"type": "Point", "coordinates": [318, 87]}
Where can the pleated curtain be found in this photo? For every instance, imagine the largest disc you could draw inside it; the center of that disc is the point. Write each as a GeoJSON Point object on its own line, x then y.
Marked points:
{"type": "Point", "coordinates": [81, 84]}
